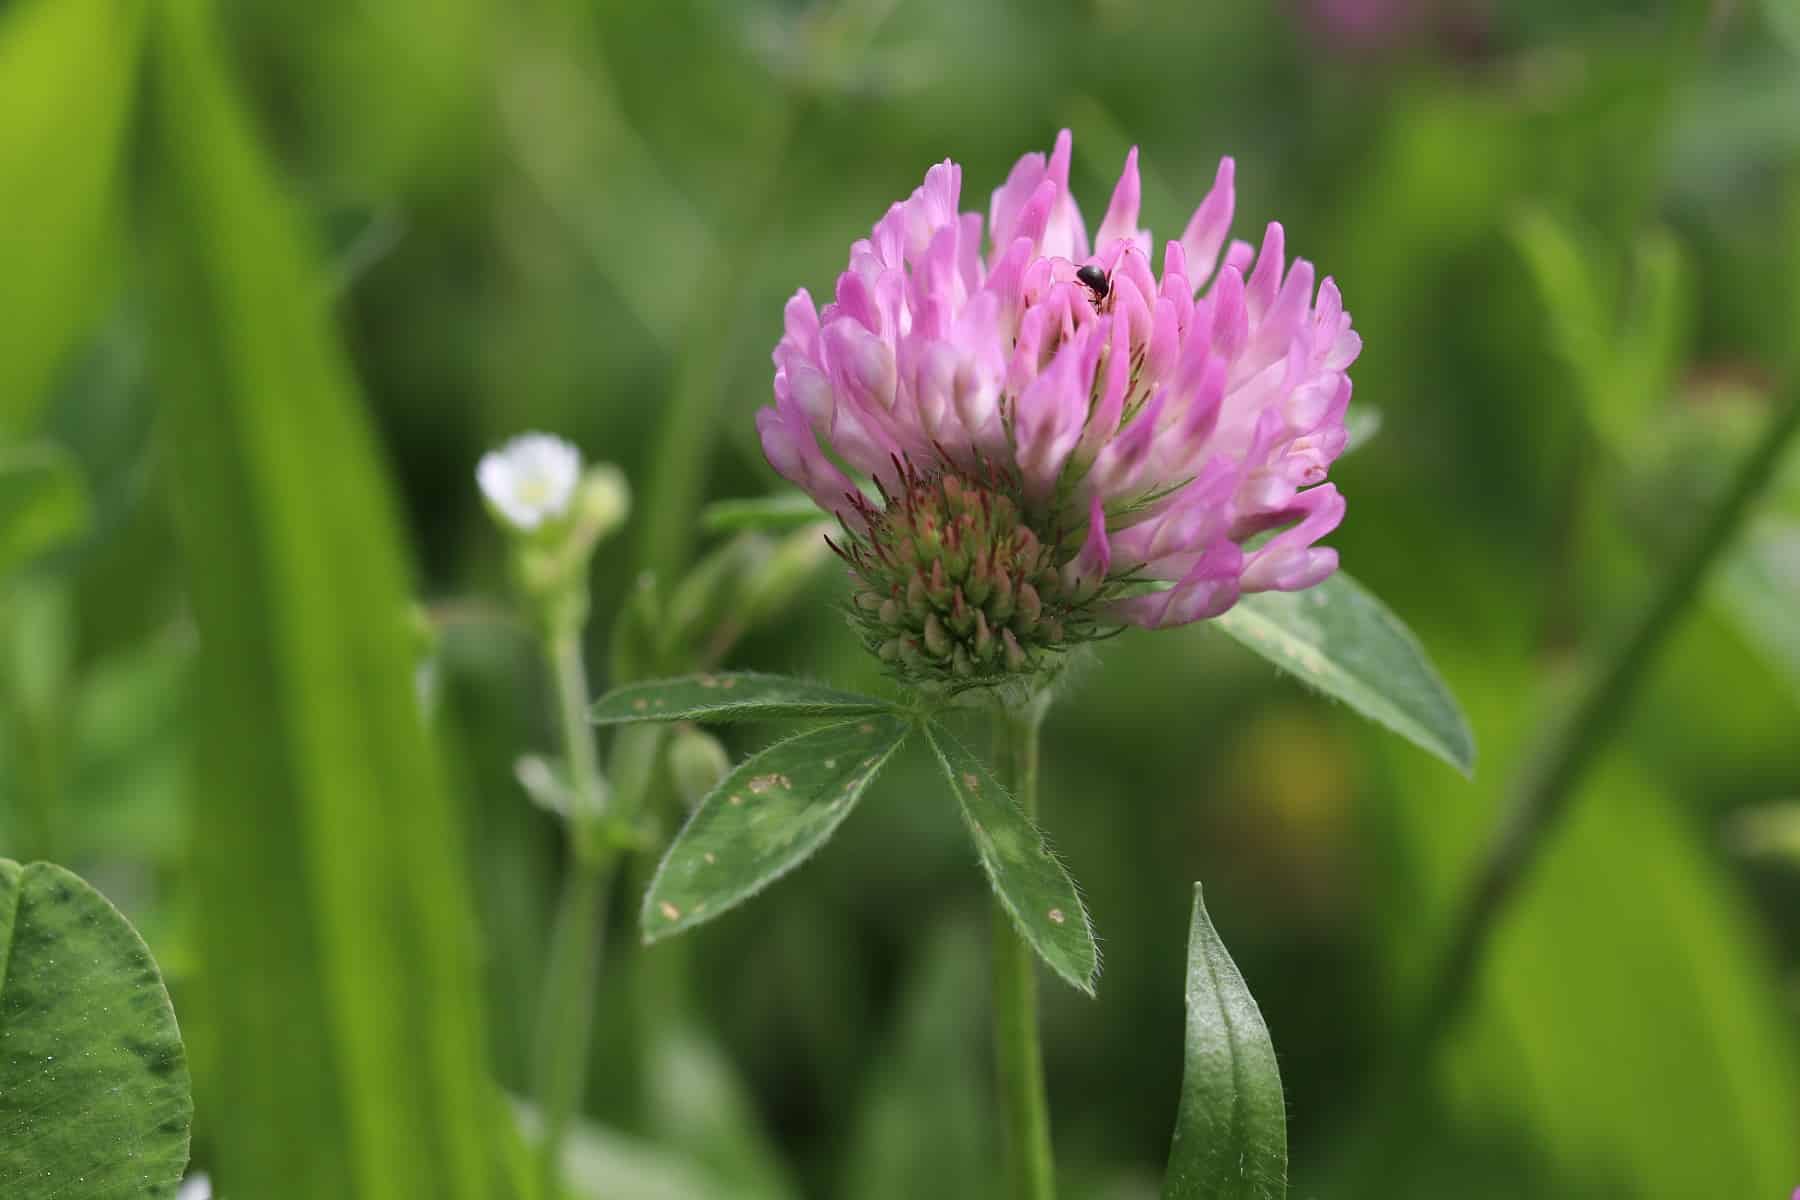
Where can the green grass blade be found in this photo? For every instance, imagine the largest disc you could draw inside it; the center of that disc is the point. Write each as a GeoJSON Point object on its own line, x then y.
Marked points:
{"type": "Point", "coordinates": [44, 502]}
{"type": "Point", "coordinates": [780, 513]}
{"type": "Point", "coordinates": [68, 78]}
{"type": "Point", "coordinates": [340, 968]}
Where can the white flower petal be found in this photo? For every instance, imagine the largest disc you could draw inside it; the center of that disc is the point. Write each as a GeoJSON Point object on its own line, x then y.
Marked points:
{"type": "Point", "coordinates": [531, 479]}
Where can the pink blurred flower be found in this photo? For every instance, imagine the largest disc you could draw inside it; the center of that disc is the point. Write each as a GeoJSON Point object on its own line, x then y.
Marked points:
{"type": "Point", "coordinates": [1151, 430]}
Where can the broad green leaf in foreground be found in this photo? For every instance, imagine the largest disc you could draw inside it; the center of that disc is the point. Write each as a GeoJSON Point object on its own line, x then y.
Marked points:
{"type": "Point", "coordinates": [43, 502]}
{"type": "Point", "coordinates": [1231, 1130]}
{"type": "Point", "coordinates": [1343, 641]}
{"type": "Point", "coordinates": [1031, 883]}
{"type": "Point", "coordinates": [736, 696]}
{"type": "Point", "coordinates": [764, 819]}
{"type": "Point", "coordinates": [94, 1095]}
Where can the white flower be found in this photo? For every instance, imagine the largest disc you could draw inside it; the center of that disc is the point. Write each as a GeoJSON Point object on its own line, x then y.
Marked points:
{"type": "Point", "coordinates": [531, 479]}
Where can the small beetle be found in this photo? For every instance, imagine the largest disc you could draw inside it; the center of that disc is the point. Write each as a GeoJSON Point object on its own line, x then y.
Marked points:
{"type": "Point", "coordinates": [1096, 282]}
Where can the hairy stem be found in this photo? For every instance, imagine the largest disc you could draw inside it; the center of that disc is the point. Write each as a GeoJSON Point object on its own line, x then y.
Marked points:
{"type": "Point", "coordinates": [1549, 781]}
{"type": "Point", "coordinates": [565, 1025]}
{"type": "Point", "coordinates": [1024, 1105]}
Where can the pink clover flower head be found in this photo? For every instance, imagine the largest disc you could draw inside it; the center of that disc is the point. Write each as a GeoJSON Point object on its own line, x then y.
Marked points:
{"type": "Point", "coordinates": [1059, 437]}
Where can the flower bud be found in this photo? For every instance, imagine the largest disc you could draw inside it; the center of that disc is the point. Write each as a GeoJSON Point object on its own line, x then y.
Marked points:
{"type": "Point", "coordinates": [603, 501]}
{"type": "Point", "coordinates": [952, 588]}
{"type": "Point", "coordinates": [697, 761]}
{"type": "Point", "coordinates": [530, 482]}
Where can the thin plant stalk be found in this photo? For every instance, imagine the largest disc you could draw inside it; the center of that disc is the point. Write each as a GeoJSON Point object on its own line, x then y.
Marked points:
{"type": "Point", "coordinates": [1549, 781]}
{"type": "Point", "coordinates": [1018, 1055]}
{"type": "Point", "coordinates": [565, 1026]}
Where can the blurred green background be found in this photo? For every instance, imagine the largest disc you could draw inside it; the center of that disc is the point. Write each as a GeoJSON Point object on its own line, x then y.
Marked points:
{"type": "Point", "coordinates": [1567, 233]}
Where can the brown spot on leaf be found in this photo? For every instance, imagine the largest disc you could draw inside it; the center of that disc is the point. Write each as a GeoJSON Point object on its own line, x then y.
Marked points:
{"type": "Point", "coordinates": [763, 783]}
{"type": "Point", "coordinates": [1056, 916]}
{"type": "Point", "coordinates": [640, 705]}
{"type": "Point", "coordinates": [971, 782]}
{"type": "Point", "coordinates": [670, 911]}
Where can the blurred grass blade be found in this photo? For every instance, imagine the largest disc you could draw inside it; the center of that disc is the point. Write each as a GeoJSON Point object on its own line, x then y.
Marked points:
{"type": "Point", "coordinates": [766, 514]}
{"type": "Point", "coordinates": [68, 76]}
{"type": "Point", "coordinates": [1231, 1130]}
{"type": "Point", "coordinates": [764, 819]}
{"type": "Point", "coordinates": [923, 1123]}
{"type": "Point", "coordinates": [729, 696]}
{"type": "Point", "coordinates": [601, 1163]}
{"type": "Point", "coordinates": [44, 502]}
{"type": "Point", "coordinates": [1037, 892]}
{"type": "Point", "coordinates": [94, 1096]}
{"type": "Point", "coordinates": [697, 1105]}
{"type": "Point", "coordinates": [340, 971]}
{"type": "Point", "coordinates": [1361, 424]}
{"type": "Point", "coordinates": [1343, 641]}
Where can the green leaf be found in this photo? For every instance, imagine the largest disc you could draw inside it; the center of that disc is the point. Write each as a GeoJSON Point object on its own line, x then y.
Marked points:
{"type": "Point", "coordinates": [1343, 641]}
{"type": "Point", "coordinates": [68, 79]}
{"type": "Point", "coordinates": [764, 819]}
{"type": "Point", "coordinates": [1231, 1130]}
{"type": "Point", "coordinates": [43, 502]}
{"type": "Point", "coordinates": [733, 696]}
{"type": "Point", "coordinates": [94, 1096]}
{"type": "Point", "coordinates": [765, 514]}
{"type": "Point", "coordinates": [340, 967]}
{"type": "Point", "coordinates": [1044, 902]}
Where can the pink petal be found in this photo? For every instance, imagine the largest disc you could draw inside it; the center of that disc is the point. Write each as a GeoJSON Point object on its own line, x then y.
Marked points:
{"type": "Point", "coordinates": [1207, 228]}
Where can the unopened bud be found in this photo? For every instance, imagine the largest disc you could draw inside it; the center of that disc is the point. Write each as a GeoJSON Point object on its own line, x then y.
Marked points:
{"type": "Point", "coordinates": [603, 501]}
{"type": "Point", "coordinates": [697, 761]}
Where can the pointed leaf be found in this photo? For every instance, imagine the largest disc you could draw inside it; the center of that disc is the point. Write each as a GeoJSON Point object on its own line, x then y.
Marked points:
{"type": "Point", "coordinates": [94, 1094]}
{"type": "Point", "coordinates": [1026, 875]}
{"type": "Point", "coordinates": [1231, 1130]}
{"type": "Point", "coordinates": [733, 696]}
{"type": "Point", "coordinates": [764, 819]}
{"type": "Point", "coordinates": [1342, 640]}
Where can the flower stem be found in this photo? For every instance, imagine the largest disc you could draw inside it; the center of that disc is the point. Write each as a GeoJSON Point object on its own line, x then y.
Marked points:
{"type": "Point", "coordinates": [1548, 783]}
{"type": "Point", "coordinates": [1024, 1105]}
{"type": "Point", "coordinates": [565, 1025]}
